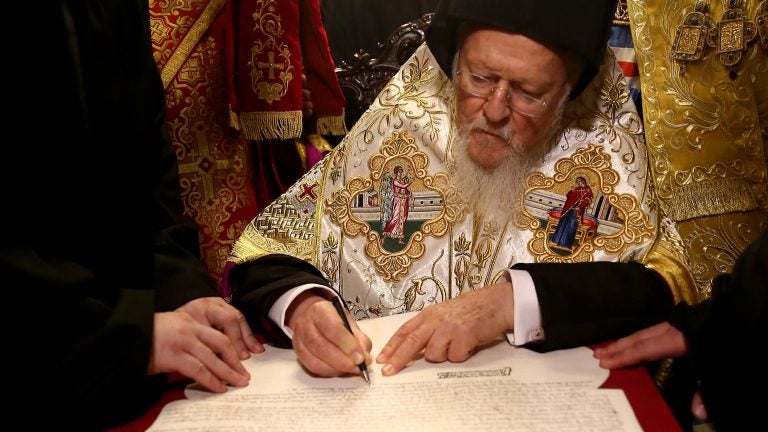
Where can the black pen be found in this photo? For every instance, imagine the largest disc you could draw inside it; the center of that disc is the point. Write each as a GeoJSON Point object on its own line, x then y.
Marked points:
{"type": "Point", "coordinates": [342, 313]}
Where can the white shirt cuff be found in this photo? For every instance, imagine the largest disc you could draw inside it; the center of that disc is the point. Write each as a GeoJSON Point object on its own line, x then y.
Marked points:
{"type": "Point", "coordinates": [278, 310]}
{"type": "Point", "coordinates": [527, 311]}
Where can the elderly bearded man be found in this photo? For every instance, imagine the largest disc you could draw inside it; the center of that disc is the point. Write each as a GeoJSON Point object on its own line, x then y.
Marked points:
{"type": "Point", "coordinates": [492, 150]}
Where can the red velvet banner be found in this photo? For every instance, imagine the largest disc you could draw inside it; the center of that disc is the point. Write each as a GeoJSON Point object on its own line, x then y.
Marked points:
{"type": "Point", "coordinates": [277, 41]}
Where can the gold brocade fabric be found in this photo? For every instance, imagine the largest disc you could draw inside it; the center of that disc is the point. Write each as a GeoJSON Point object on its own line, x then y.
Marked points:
{"type": "Point", "coordinates": [706, 135]}
{"type": "Point", "coordinates": [188, 42]}
{"type": "Point", "coordinates": [379, 217]}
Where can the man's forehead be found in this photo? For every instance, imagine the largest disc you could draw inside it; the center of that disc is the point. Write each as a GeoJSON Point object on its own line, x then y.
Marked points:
{"type": "Point", "coordinates": [580, 27]}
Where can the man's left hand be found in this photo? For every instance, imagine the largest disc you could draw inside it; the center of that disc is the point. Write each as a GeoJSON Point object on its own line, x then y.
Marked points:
{"type": "Point", "coordinates": [451, 330]}
{"type": "Point", "coordinates": [216, 313]}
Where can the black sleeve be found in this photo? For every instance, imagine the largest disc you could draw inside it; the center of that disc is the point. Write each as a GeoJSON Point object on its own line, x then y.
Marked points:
{"type": "Point", "coordinates": [256, 285]}
{"type": "Point", "coordinates": [93, 267]}
{"type": "Point", "coordinates": [585, 303]}
{"type": "Point", "coordinates": [724, 335]}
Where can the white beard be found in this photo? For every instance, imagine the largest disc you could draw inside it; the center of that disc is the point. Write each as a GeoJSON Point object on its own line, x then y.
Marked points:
{"type": "Point", "coordinates": [498, 193]}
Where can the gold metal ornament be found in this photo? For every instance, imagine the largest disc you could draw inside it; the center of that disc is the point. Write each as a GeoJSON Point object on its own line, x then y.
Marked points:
{"type": "Point", "coordinates": [761, 21]}
{"type": "Point", "coordinates": [691, 35]}
{"type": "Point", "coordinates": [732, 35]}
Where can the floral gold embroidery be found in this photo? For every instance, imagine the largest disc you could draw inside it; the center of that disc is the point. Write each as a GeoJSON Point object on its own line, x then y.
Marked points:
{"type": "Point", "coordinates": [482, 253]}
{"type": "Point", "coordinates": [462, 252]}
{"type": "Point", "coordinates": [330, 258]}
{"type": "Point", "coordinates": [270, 59]}
{"type": "Point", "coordinates": [408, 101]}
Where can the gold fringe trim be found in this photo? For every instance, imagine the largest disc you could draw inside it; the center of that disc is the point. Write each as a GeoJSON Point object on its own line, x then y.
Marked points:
{"type": "Point", "coordinates": [331, 125]}
{"type": "Point", "coordinates": [270, 125]}
{"type": "Point", "coordinates": [711, 198]}
{"type": "Point", "coordinates": [190, 40]}
{"type": "Point", "coordinates": [234, 122]}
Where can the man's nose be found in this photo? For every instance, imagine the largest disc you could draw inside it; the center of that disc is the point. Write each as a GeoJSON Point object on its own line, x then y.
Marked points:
{"type": "Point", "coordinates": [497, 105]}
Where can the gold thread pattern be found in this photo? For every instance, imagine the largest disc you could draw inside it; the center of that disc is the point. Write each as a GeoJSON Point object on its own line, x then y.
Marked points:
{"type": "Point", "coordinates": [213, 159]}
{"type": "Point", "coordinates": [407, 101]}
{"type": "Point", "coordinates": [715, 243]}
{"type": "Point", "coordinates": [695, 135]}
{"type": "Point", "coordinates": [330, 259]}
{"type": "Point", "coordinates": [417, 289]}
{"type": "Point", "coordinates": [191, 39]}
{"type": "Point", "coordinates": [482, 254]}
{"type": "Point", "coordinates": [398, 147]}
{"type": "Point", "coordinates": [633, 225]}
{"type": "Point", "coordinates": [270, 58]}
{"type": "Point", "coordinates": [617, 128]}
{"type": "Point", "coordinates": [723, 196]}
{"type": "Point", "coordinates": [461, 248]}
{"type": "Point", "coordinates": [279, 228]}
{"type": "Point", "coordinates": [706, 139]}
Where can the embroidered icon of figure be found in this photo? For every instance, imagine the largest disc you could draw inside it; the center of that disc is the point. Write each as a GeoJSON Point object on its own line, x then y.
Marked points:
{"type": "Point", "coordinates": [395, 206]}
{"type": "Point", "coordinates": [576, 202]}
{"type": "Point", "coordinates": [385, 199]}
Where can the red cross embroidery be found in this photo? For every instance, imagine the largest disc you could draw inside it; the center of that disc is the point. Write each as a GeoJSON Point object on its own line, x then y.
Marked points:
{"type": "Point", "coordinates": [309, 191]}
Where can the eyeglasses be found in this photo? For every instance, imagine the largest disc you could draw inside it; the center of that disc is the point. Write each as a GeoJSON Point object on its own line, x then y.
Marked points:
{"type": "Point", "coordinates": [517, 100]}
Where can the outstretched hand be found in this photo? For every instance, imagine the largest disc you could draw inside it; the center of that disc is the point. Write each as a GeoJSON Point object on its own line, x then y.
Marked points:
{"type": "Point", "coordinates": [653, 343]}
{"type": "Point", "coordinates": [451, 330]}
{"type": "Point", "coordinates": [321, 341]}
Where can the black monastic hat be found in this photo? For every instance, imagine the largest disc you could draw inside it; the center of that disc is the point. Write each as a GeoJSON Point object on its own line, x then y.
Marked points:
{"type": "Point", "coordinates": [579, 26]}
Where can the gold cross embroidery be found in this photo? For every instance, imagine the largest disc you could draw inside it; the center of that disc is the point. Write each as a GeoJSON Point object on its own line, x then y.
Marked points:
{"type": "Point", "coordinates": [271, 65]}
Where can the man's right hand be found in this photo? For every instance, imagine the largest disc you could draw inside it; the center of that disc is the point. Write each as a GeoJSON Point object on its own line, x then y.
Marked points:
{"type": "Point", "coordinates": [324, 346]}
{"type": "Point", "coordinates": [182, 344]}
{"type": "Point", "coordinates": [652, 343]}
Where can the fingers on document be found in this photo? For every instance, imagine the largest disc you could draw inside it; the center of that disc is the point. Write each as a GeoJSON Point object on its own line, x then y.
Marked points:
{"type": "Point", "coordinates": [217, 356]}
{"type": "Point", "coordinates": [409, 340]}
{"type": "Point", "coordinates": [233, 323]}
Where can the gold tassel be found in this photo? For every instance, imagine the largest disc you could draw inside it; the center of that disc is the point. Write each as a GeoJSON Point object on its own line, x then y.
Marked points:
{"type": "Point", "coordinates": [234, 123]}
{"type": "Point", "coordinates": [271, 125]}
{"type": "Point", "coordinates": [331, 125]}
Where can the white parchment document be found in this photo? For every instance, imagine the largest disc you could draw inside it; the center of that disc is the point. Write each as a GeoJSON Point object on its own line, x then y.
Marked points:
{"type": "Point", "coordinates": [499, 388]}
